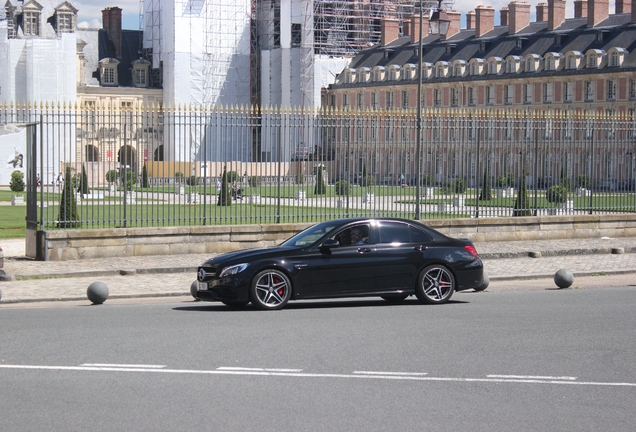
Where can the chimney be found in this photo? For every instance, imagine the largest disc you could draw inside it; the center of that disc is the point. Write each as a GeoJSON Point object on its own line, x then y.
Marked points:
{"type": "Point", "coordinates": [415, 28]}
{"type": "Point", "coordinates": [406, 27]}
{"type": "Point", "coordinates": [597, 12]}
{"type": "Point", "coordinates": [470, 20]}
{"type": "Point", "coordinates": [485, 20]}
{"type": "Point", "coordinates": [503, 16]}
{"type": "Point", "coordinates": [111, 22]}
{"type": "Point", "coordinates": [519, 16]}
{"type": "Point", "coordinates": [542, 12]}
{"type": "Point", "coordinates": [580, 8]}
{"type": "Point", "coordinates": [455, 17]}
{"type": "Point", "coordinates": [556, 13]}
{"type": "Point", "coordinates": [623, 6]}
{"type": "Point", "coordinates": [389, 31]}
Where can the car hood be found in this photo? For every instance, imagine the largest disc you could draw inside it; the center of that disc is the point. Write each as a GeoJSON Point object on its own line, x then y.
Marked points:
{"type": "Point", "coordinates": [249, 255]}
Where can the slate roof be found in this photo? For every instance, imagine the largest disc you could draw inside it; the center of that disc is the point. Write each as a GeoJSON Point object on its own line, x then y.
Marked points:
{"type": "Point", "coordinates": [574, 33]}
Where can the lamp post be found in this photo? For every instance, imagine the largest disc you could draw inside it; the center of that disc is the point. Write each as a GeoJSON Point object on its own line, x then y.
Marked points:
{"type": "Point", "coordinates": [439, 23]}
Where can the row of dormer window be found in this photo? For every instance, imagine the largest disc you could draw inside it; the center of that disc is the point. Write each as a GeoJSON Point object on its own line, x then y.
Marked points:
{"type": "Point", "coordinates": [110, 77]}
{"type": "Point", "coordinates": [29, 19]}
{"type": "Point", "coordinates": [529, 94]}
{"type": "Point", "coordinates": [552, 61]}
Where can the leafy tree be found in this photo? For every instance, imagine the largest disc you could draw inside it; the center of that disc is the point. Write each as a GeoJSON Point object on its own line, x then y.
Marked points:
{"type": "Point", "coordinates": [144, 177]}
{"type": "Point", "coordinates": [556, 194]}
{"type": "Point", "coordinates": [68, 204]}
{"type": "Point", "coordinates": [321, 187]}
{"type": "Point", "coordinates": [522, 206]}
{"type": "Point", "coordinates": [178, 177]}
{"type": "Point", "coordinates": [583, 181]}
{"type": "Point", "coordinates": [131, 180]}
{"type": "Point", "coordinates": [233, 176]}
{"type": "Point", "coordinates": [111, 176]}
{"type": "Point", "coordinates": [342, 187]}
{"type": "Point", "coordinates": [17, 181]}
{"type": "Point", "coordinates": [486, 191]}
{"type": "Point", "coordinates": [225, 199]}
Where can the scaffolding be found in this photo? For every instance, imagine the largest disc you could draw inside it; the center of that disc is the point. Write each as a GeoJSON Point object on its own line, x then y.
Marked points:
{"type": "Point", "coordinates": [344, 27]}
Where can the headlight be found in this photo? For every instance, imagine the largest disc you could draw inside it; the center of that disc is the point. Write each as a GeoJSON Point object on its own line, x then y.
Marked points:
{"type": "Point", "coordinates": [232, 270]}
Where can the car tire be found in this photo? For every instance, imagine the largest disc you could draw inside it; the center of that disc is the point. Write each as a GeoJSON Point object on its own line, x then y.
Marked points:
{"type": "Point", "coordinates": [271, 289]}
{"type": "Point", "coordinates": [435, 285]}
{"type": "Point", "coordinates": [395, 298]}
{"type": "Point", "coordinates": [234, 303]}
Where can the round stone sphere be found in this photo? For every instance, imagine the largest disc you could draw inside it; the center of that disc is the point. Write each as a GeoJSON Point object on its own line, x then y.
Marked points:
{"type": "Point", "coordinates": [193, 289]}
{"type": "Point", "coordinates": [563, 278]}
{"type": "Point", "coordinates": [0, 294]}
{"type": "Point", "coordinates": [484, 284]}
{"type": "Point", "coordinates": [97, 292]}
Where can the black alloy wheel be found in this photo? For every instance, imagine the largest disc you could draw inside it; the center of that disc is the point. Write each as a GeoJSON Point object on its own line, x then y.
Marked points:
{"type": "Point", "coordinates": [271, 289]}
{"type": "Point", "coordinates": [435, 285]}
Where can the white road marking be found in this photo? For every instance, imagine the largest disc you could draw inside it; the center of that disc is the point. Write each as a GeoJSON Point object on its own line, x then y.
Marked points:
{"type": "Point", "coordinates": [229, 368]}
{"type": "Point", "coordinates": [318, 375]}
{"type": "Point", "coordinates": [391, 373]}
{"type": "Point", "coordinates": [533, 377]}
{"type": "Point", "coordinates": [108, 365]}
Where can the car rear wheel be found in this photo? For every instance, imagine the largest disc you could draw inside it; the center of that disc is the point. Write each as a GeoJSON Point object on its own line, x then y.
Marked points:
{"type": "Point", "coordinates": [435, 285]}
{"type": "Point", "coordinates": [271, 289]}
{"type": "Point", "coordinates": [395, 298]}
{"type": "Point", "coordinates": [234, 303]}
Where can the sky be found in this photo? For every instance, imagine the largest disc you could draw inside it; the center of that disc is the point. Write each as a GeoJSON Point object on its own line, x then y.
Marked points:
{"type": "Point", "coordinates": [90, 11]}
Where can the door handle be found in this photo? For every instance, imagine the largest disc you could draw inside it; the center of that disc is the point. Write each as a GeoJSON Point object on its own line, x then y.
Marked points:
{"type": "Point", "coordinates": [420, 248]}
{"type": "Point", "coordinates": [364, 250]}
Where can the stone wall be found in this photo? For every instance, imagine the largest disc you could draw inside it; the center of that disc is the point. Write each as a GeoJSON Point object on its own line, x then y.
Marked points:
{"type": "Point", "coordinates": [88, 243]}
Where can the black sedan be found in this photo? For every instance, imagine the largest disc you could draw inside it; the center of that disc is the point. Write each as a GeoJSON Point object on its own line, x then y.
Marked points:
{"type": "Point", "coordinates": [385, 257]}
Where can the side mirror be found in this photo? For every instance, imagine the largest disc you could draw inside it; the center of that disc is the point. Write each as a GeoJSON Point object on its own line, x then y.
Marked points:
{"type": "Point", "coordinates": [329, 244]}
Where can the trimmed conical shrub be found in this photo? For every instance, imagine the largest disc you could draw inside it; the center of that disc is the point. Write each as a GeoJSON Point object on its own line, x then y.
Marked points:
{"type": "Point", "coordinates": [144, 177]}
{"type": "Point", "coordinates": [486, 191]}
{"type": "Point", "coordinates": [83, 183]}
{"type": "Point", "coordinates": [522, 205]}
{"type": "Point", "coordinates": [68, 204]}
{"type": "Point", "coordinates": [225, 199]}
{"type": "Point", "coordinates": [321, 187]}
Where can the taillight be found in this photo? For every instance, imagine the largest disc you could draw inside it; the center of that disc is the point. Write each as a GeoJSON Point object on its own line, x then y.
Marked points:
{"type": "Point", "coordinates": [471, 250]}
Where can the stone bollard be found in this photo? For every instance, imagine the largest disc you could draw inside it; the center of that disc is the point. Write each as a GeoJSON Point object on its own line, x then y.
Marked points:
{"type": "Point", "coordinates": [97, 292]}
{"type": "Point", "coordinates": [0, 294]}
{"type": "Point", "coordinates": [563, 278]}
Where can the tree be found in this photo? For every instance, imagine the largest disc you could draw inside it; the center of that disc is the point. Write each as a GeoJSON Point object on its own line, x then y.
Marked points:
{"type": "Point", "coordinates": [68, 204]}
{"type": "Point", "coordinates": [17, 181]}
{"type": "Point", "coordinates": [83, 182]}
{"type": "Point", "coordinates": [557, 194]}
{"type": "Point", "coordinates": [321, 187]}
{"type": "Point", "coordinates": [486, 191]}
{"type": "Point", "coordinates": [342, 187]}
{"type": "Point", "coordinates": [144, 177]}
{"type": "Point", "coordinates": [111, 176]}
{"type": "Point", "coordinates": [522, 207]}
{"type": "Point", "coordinates": [225, 199]}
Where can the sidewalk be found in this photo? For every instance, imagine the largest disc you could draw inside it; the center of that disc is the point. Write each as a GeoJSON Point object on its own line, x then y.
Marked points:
{"type": "Point", "coordinates": [172, 275]}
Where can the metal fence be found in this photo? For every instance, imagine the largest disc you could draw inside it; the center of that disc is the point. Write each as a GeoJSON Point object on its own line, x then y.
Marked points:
{"type": "Point", "coordinates": [140, 166]}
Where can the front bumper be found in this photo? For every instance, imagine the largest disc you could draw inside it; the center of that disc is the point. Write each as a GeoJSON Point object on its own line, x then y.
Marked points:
{"type": "Point", "coordinates": [223, 289]}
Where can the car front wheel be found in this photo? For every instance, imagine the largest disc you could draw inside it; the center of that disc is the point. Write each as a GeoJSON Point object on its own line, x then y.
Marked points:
{"type": "Point", "coordinates": [271, 289]}
{"type": "Point", "coordinates": [435, 285]}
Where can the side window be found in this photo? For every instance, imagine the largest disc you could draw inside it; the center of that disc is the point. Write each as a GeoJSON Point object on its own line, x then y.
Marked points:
{"type": "Point", "coordinates": [355, 235]}
{"type": "Point", "coordinates": [419, 236]}
{"type": "Point", "coordinates": [394, 232]}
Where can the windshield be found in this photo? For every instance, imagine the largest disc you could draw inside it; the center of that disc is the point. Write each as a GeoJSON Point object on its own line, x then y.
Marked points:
{"type": "Point", "coordinates": [310, 235]}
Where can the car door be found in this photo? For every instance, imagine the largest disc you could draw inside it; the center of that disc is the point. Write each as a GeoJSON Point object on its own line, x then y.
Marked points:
{"type": "Point", "coordinates": [400, 254]}
{"type": "Point", "coordinates": [347, 269]}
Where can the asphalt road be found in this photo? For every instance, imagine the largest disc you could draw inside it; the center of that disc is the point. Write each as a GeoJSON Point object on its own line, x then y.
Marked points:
{"type": "Point", "coordinates": [557, 360]}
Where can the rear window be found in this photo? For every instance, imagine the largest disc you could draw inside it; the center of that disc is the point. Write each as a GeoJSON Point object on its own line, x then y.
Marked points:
{"type": "Point", "coordinates": [398, 232]}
